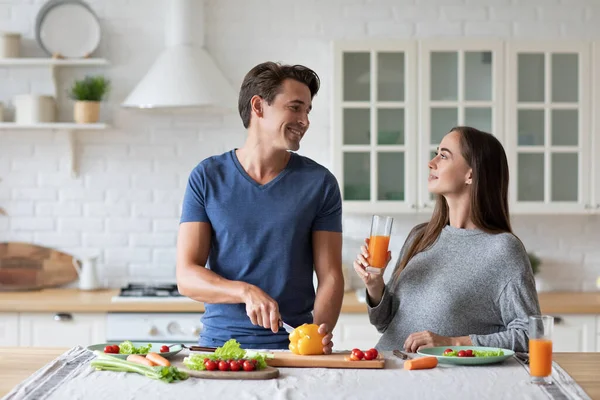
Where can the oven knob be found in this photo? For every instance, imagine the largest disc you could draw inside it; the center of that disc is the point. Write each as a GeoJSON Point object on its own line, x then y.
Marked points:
{"type": "Point", "coordinates": [174, 328]}
{"type": "Point", "coordinates": [152, 331]}
{"type": "Point", "coordinates": [196, 331]}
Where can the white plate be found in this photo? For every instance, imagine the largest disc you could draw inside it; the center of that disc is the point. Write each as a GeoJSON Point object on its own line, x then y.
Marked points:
{"type": "Point", "coordinates": [69, 28]}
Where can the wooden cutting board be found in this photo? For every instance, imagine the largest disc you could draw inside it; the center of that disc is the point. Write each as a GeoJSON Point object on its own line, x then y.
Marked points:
{"type": "Point", "coordinates": [267, 373]}
{"type": "Point", "coordinates": [25, 266]}
{"type": "Point", "coordinates": [335, 360]}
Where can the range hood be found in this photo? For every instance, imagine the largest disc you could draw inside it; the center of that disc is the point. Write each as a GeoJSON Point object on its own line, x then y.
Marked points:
{"type": "Point", "coordinates": [184, 75]}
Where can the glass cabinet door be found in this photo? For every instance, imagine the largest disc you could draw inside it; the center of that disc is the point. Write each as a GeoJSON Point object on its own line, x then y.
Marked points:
{"type": "Point", "coordinates": [461, 84]}
{"type": "Point", "coordinates": [549, 122]}
{"type": "Point", "coordinates": [374, 140]}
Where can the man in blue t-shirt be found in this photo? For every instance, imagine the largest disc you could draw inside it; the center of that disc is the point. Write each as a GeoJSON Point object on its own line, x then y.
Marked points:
{"type": "Point", "coordinates": [256, 221]}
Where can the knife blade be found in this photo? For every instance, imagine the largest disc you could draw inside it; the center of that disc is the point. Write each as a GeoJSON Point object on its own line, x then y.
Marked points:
{"type": "Point", "coordinates": [288, 328]}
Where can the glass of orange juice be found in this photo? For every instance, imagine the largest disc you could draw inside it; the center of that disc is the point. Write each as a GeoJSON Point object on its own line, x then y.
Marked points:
{"type": "Point", "coordinates": [540, 349]}
{"type": "Point", "coordinates": [379, 240]}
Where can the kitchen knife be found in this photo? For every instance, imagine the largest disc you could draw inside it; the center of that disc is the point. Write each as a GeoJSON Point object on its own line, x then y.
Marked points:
{"type": "Point", "coordinates": [288, 328]}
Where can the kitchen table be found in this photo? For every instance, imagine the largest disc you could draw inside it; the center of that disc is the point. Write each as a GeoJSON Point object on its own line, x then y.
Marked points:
{"type": "Point", "coordinates": [16, 364]}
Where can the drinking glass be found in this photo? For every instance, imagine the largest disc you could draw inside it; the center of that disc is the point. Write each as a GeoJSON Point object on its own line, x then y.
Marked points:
{"type": "Point", "coordinates": [379, 240]}
{"type": "Point", "coordinates": [540, 348]}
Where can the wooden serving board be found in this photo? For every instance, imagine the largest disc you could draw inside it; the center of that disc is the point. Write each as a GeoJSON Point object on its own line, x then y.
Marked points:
{"type": "Point", "coordinates": [267, 373]}
{"type": "Point", "coordinates": [25, 266]}
{"type": "Point", "coordinates": [335, 360]}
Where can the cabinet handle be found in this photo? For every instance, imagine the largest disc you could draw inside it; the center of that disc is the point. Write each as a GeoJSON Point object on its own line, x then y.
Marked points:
{"type": "Point", "coordinates": [63, 317]}
{"type": "Point", "coordinates": [598, 205]}
{"type": "Point", "coordinates": [587, 207]}
{"type": "Point", "coordinates": [413, 206]}
{"type": "Point", "coordinates": [425, 205]}
{"type": "Point", "coordinates": [558, 320]}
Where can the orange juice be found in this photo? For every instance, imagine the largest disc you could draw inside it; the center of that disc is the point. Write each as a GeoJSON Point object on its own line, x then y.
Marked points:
{"type": "Point", "coordinates": [378, 248]}
{"type": "Point", "coordinates": [540, 357]}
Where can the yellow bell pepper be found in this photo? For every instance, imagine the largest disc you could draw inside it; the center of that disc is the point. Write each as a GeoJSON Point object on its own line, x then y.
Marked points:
{"type": "Point", "coordinates": [306, 340]}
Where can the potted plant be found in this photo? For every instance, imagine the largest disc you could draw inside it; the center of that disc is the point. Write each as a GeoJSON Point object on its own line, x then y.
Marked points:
{"type": "Point", "coordinates": [535, 262]}
{"type": "Point", "coordinates": [88, 93]}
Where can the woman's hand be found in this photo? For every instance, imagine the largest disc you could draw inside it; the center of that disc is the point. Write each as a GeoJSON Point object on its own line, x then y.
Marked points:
{"type": "Point", "coordinates": [362, 262]}
{"type": "Point", "coordinates": [419, 340]}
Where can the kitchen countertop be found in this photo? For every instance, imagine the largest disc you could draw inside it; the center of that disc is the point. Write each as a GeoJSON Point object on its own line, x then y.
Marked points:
{"type": "Point", "coordinates": [17, 363]}
{"type": "Point", "coordinates": [74, 300]}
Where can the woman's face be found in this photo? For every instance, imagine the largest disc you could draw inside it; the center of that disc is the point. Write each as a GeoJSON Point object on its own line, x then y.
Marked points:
{"type": "Point", "coordinates": [449, 173]}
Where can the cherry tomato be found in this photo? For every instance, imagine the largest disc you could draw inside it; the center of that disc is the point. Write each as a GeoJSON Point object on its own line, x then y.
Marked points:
{"type": "Point", "coordinates": [374, 351]}
{"type": "Point", "coordinates": [210, 364]}
{"type": "Point", "coordinates": [234, 365]}
{"type": "Point", "coordinates": [116, 348]}
{"type": "Point", "coordinates": [469, 353]}
{"type": "Point", "coordinates": [223, 365]}
{"type": "Point", "coordinates": [370, 355]}
{"type": "Point", "coordinates": [164, 349]}
{"type": "Point", "coordinates": [462, 353]}
{"type": "Point", "coordinates": [248, 366]}
{"type": "Point", "coordinates": [448, 351]}
{"type": "Point", "coordinates": [108, 349]}
{"type": "Point", "coordinates": [357, 354]}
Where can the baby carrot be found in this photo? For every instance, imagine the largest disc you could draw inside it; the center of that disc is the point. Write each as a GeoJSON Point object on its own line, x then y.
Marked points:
{"type": "Point", "coordinates": [158, 359]}
{"type": "Point", "coordinates": [421, 363]}
{"type": "Point", "coordinates": [140, 360]}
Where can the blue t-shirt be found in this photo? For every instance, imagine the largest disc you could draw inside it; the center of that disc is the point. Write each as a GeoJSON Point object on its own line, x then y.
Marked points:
{"type": "Point", "coordinates": [262, 235]}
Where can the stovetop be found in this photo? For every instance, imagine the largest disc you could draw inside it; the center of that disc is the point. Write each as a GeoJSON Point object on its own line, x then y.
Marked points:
{"type": "Point", "coordinates": [146, 290]}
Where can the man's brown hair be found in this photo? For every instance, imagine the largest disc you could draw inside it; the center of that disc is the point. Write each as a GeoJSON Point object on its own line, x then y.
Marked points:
{"type": "Point", "coordinates": [265, 80]}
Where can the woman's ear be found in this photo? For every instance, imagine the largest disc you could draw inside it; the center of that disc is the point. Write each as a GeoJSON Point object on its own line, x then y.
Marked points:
{"type": "Point", "coordinates": [256, 103]}
{"type": "Point", "coordinates": [469, 179]}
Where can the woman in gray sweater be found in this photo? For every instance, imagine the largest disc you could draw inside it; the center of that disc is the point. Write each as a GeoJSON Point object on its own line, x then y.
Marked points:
{"type": "Point", "coordinates": [463, 278]}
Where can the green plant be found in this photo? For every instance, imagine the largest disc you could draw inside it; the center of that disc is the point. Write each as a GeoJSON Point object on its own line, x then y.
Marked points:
{"type": "Point", "coordinates": [91, 88]}
{"type": "Point", "coordinates": [535, 262]}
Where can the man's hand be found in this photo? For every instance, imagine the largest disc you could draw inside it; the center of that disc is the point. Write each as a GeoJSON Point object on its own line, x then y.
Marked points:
{"type": "Point", "coordinates": [327, 343]}
{"type": "Point", "coordinates": [261, 308]}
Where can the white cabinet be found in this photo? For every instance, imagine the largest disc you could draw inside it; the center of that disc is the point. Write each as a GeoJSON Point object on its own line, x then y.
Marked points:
{"type": "Point", "coordinates": [549, 126]}
{"type": "Point", "coordinates": [461, 84]}
{"type": "Point", "coordinates": [354, 331]}
{"type": "Point", "coordinates": [374, 124]}
{"type": "Point", "coordinates": [9, 329]}
{"type": "Point", "coordinates": [535, 97]}
{"type": "Point", "coordinates": [574, 333]}
{"type": "Point", "coordinates": [595, 160]}
{"type": "Point", "coordinates": [61, 329]}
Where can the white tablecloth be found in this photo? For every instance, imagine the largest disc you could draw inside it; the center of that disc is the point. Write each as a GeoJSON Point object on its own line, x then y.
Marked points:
{"type": "Point", "coordinates": [70, 377]}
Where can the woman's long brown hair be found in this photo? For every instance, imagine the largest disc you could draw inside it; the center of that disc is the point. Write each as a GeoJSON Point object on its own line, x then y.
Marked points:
{"type": "Point", "coordinates": [489, 193]}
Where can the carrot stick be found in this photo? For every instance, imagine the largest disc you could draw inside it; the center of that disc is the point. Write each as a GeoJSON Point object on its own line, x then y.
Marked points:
{"type": "Point", "coordinates": [140, 360]}
{"type": "Point", "coordinates": [421, 363]}
{"type": "Point", "coordinates": [158, 359]}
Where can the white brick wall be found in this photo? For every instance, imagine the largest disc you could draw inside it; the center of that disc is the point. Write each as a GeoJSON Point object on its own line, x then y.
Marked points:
{"type": "Point", "coordinates": [124, 207]}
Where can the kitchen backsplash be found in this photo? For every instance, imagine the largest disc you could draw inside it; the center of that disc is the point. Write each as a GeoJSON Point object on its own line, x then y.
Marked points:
{"type": "Point", "coordinates": [124, 206]}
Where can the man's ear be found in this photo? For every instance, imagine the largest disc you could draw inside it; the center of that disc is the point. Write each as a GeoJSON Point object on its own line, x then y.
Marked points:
{"type": "Point", "coordinates": [469, 179]}
{"type": "Point", "coordinates": [256, 103]}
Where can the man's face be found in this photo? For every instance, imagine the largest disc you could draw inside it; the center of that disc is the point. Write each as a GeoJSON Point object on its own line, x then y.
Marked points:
{"type": "Point", "coordinates": [285, 121]}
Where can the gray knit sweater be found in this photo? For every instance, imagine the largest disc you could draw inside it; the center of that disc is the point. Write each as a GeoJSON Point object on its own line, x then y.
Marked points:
{"type": "Point", "coordinates": [468, 283]}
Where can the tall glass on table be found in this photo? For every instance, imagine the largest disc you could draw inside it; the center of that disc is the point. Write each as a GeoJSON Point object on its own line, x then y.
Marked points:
{"type": "Point", "coordinates": [379, 241]}
{"type": "Point", "coordinates": [540, 349]}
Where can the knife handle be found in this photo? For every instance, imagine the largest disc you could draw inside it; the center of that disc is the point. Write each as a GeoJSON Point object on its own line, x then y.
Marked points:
{"type": "Point", "coordinates": [202, 348]}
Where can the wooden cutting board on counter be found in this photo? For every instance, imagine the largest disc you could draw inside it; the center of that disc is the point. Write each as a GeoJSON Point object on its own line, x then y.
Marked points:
{"type": "Point", "coordinates": [25, 266]}
{"type": "Point", "coordinates": [335, 360]}
{"type": "Point", "coordinates": [267, 373]}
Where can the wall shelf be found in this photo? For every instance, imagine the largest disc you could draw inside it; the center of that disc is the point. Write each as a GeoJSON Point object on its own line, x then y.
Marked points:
{"type": "Point", "coordinates": [69, 128]}
{"type": "Point", "coordinates": [51, 62]}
